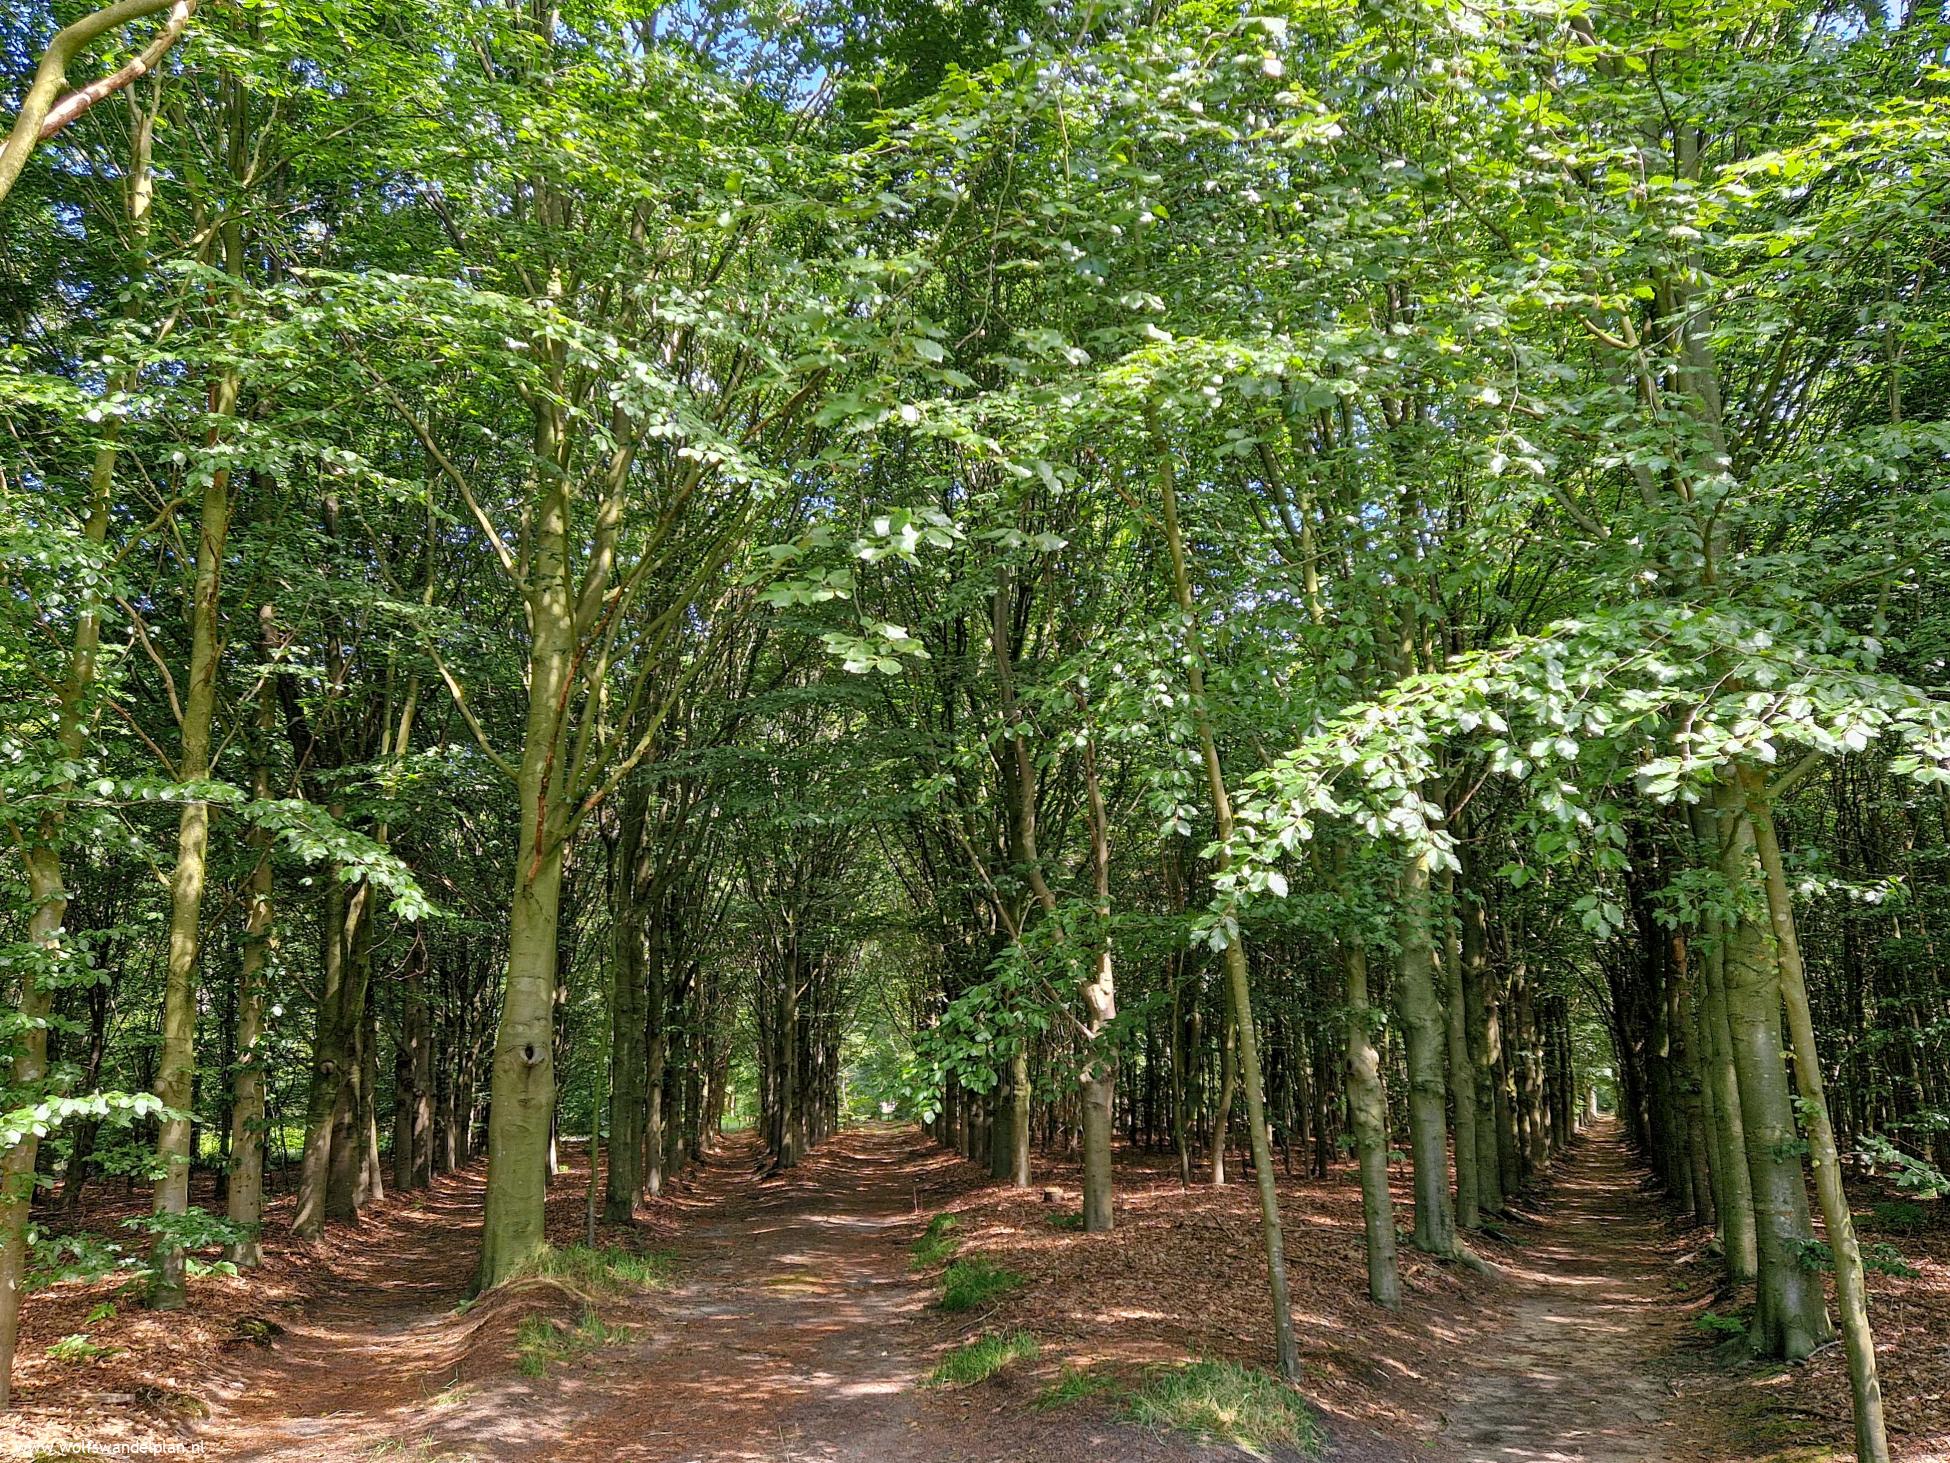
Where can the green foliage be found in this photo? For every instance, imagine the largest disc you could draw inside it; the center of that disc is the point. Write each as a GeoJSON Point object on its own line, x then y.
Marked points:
{"type": "Point", "coordinates": [1223, 1402]}
{"type": "Point", "coordinates": [1880, 1257]}
{"type": "Point", "coordinates": [1900, 1216]}
{"type": "Point", "coordinates": [542, 1342]}
{"type": "Point", "coordinates": [937, 1244]}
{"type": "Point", "coordinates": [1711, 1323]}
{"type": "Point", "coordinates": [84, 1256]}
{"type": "Point", "coordinates": [79, 1348]}
{"type": "Point", "coordinates": [1080, 1384]}
{"type": "Point", "coordinates": [1065, 1221]}
{"type": "Point", "coordinates": [982, 1358]}
{"type": "Point", "coordinates": [604, 1271]}
{"type": "Point", "coordinates": [974, 1282]}
{"type": "Point", "coordinates": [1913, 1174]}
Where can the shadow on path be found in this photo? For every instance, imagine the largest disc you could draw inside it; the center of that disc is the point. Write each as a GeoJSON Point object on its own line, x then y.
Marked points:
{"type": "Point", "coordinates": [1576, 1375]}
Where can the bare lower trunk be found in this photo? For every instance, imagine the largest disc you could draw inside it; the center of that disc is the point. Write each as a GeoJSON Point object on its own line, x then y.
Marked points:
{"type": "Point", "coordinates": [1425, 1035]}
{"type": "Point", "coordinates": [245, 1201]}
{"type": "Point", "coordinates": [1222, 1109]}
{"type": "Point", "coordinates": [1485, 1036]}
{"type": "Point", "coordinates": [1099, 1077]}
{"type": "Point", "coordinates": [1790, 1317]}
{"type": "Point", "coordinates": [1851, 1291]}
{"type": "Point", "coordinates": [1462, 1074]}
{"type": "Point", "coordinates": [1367, 1107]}
{"type": "Point", "coordinates": [522, 1076]}
{"type": "Point", "coordinates": [1238, 977]}
{"type": "Point", "coordinates": [176, 1065]}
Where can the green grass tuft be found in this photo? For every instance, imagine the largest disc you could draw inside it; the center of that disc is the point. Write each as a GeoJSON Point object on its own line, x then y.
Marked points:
{"type": "Point", "coordinates": [982, 1358]}
{"type": "Point", "coordinates": [1079, 1384]}
{"type": "Point", "coordinates": [966, 1284]}
{"type": "Point", "coordinates": [1900, 1216]}
{"type": "Point", "coordinates": [1712, 1323]}
{"type": "Point", "coordinates": [541, 1343]}
{"type": "Point", "coordinates": [1060, 1220]}
{"type": "Point", "coordinates": [937, 1243]}
{"type": "Point", "coordinates": [608, 1271]}
{"type": "Point", "coordinates": [1222, 1402]}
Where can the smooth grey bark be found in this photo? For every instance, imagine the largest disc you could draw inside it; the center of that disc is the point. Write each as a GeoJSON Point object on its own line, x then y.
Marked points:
{"type": "Point", "coordinates": [1425, 1038]}
{"type": "Point", "coordinates": [1367, 1111]}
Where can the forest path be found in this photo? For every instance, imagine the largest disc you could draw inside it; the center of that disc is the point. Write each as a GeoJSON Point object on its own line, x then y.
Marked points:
{"type": "Point", "coordinates": [1576, 1374]}
{"type": "Point", "coordinates": [792, 1333]}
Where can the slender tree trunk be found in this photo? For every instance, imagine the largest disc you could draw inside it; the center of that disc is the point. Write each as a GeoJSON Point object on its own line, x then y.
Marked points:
{"type": "Point", "coordinates": [1736, 1208]}
{"type": "Point", "coordinates": [628, 1062]}
{"type": "Point", "coordinates": [1790, 1317]}
{"type": "Point", "coordinates": [348, 1141]}
{"type": "Point", "coordinates": [46, 876]}
{"type": "Point", "coordinates": [1851, 1290]}
{"type": "Point", "coordinates": [1485, 1038]}
{"type": "Point", "coordinates": [1222, 1107]}
{"type": "Point", "coordinates": [245, 1200]}
{"type": "Point", "coordinates": [1367, 1110]}
{"type": "Point", "coordinates": [1238, 978]}
{"type": "Point", "coordinates": [1425, 1037]}
{"type": "Point", "coordinates": [176, 1068]}
{"type": "Point", "coordinates": [1462, 1074]}
{"type": "Point", "coordinates": [328, 1067]}
{"type": "Point", "coordinates": [1099, 1076]}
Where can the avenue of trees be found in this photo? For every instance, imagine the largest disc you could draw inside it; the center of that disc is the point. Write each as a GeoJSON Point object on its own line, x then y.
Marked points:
{"type": "Point", "coordinates": [1272, 584]}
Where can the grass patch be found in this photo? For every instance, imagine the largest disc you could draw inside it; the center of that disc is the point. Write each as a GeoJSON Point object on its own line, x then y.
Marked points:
{"type": "Point", "coordinates": [966, 1284]}
{"type": "Point", "coordinates": [938, 1242]}
{"type": "Point", "coordinates": [1221, 1402]}
{"type": "Point", "coordinates": [79, 1348]}
{"type": "Point", "coordinates": [1079, 1384]}
{"type": "Point", "coordinates": [982, 1358]}
{"type": "Point", "coordinates": [1719, 1327]}
{"type": "Point", "coordinates": [541, 1343]}
{"type": "Point", "coordinates": [1900, 1216]}
{"type": "Point", "coordinates": [1065, 1221]}
{"type": "Point", "coordinates": [455, 1394]}
{"type": "Point", "coordinates": [425, 1449]}
{"type": "Point", "coordinates": [611, 1270]}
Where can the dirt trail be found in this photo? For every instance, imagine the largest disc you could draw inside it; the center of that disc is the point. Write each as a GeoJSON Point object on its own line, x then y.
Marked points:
{"type": "Point", "coordinates": [1576, 1375]}
{"type": "Point", "coordinates": [793, 1333]}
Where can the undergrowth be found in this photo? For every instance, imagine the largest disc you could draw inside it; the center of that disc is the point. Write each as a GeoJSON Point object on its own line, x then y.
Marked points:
{"type": "Point", "coordinates": [982, 1358]}
{"type": "Point", "coordinates": [1080, 1384]}
{"type": "Point", "coordinates": [938, 1242]}
{"type": "Point", "coordinates": [1222, 1402]}
{"type": "Point", "coordinates": [610, 1270]}
{"type": "Point", "coordinates": [541, 1342]}
{"type": "Point", "coordinates": [969, 1283]}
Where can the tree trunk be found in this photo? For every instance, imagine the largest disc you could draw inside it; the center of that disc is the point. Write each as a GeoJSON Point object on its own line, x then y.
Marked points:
{"type": "Point", "coordinates": [1790, 1317]}
{"type": "Point", "coordinates": [1425, 1036]}
{"type": "Point", "coordinates": [1462, 1074]}
{"type": "Point", "coordinates": [244, 1203]}
{"type": "Point", "coordinates": [1851, 1290]}
{"type": "Point", "coordinates": [1485, 1037]}
{"type": "Point", "coordinates": [1222, 1108]}
{"type": "Point", "coordinates": [1367, 1109]}
{"type": "Point", "coordinates": [522, 1077]}
{"type": "Point", "coordinates": [46, 877]}
{"type": "Point", "coordinates": [328, 1066]}
{"type": "Point", "coordinates": [1099, 1076]}
{"type": "Point", "coordinates": [1238, 980]}
{"type": "Point", "coordinates": [176, 1067]}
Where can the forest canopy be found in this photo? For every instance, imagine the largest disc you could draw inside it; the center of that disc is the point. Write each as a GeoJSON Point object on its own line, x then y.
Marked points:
{"type": "Point", "coordinates": [1107, 577]}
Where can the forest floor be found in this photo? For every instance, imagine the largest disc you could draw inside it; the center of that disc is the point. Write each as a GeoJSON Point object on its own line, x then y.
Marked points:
{"type": "Point", "coordinates": [792, 1328]}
